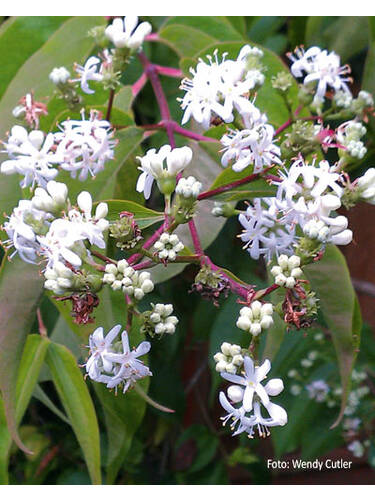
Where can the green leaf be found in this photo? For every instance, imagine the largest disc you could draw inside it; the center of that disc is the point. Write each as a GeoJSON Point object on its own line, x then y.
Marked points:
{"type": "Point", "coordinates": [30, 366]}
{"type": "Point", "coordinates": [33, 31]}
{"type": "Point", "coordinates": [41, 396]}
{"type": "Point", "coordinates": [76, 400]}
{"type": "Point", "coordinates": [189, 35]}
{"type": "Point", "coordinates": [346, 35]}
{"type": "Point", "coordinates": [144, 216]}
{"type": "Point", "coordinates": [330, 279]}
{"type": "Point", "coordinates": [255, 189]}
{"type": "Point", "coordinates": [20, 290]}
{"type": "Point", "coordinates": [368, 82]}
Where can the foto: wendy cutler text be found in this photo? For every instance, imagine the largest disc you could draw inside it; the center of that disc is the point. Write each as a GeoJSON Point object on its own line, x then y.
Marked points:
{"type": "Point", "coordinates": [309, 464]}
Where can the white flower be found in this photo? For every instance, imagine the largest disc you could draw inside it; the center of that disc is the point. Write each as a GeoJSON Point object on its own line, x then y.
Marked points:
{"type": "Point", "coordinates": [87, 226]}
{"type": "Point", "coordinates": [255, 318]}
{"type": "Point", "coordinates": [250, 394]}
{"type": "Point", "coordinates": [164, 164]}
{"type": "Point", "coordinates": [100, 347]}
{"type": "Point", "coordinates": [85, 145]}
{"type": "Point", "coordinates": [218, 87]}
{"type": "Point", "coordinates": [287, 271]}
{"type": "Point", "coordinates": [52, 198]}
{"type": "Point", "coordinates": [92, 70]}
{"type": "Point", "coordinates": [23, 226]}
{"type": "Point", "coordinates": [188, 187]}
{"type": "Point", "coordinates": [168, 246]}
{"type": "Point", "coordinates": [351, 424]}
{"type": "Point", "coordinates": [357, 448]}
{"type": "Point", "coordinates": [366, 186]}
{"type": "Point", "coordinates": [263, 233]}
{"type": "Point", "coordinates": [126, 33]}
{"type": "Point", "coordinates": [59, 75]}
{"type": "Point", "coordinates": [318, 390]}
{"type": "Point", "coordinates": [57, 245]}
{"type": "Point", "coordinates": [31, 156]}
{"type": "Point", "coordinates": [323, 67]}
{"type": "Point", "coordinates": [127, 369]}
{"type": "Point", "coordinates": [250, 146]}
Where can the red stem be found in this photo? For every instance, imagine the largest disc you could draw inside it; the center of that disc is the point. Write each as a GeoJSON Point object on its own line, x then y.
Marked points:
{"type": "Point", "coordinates": [231, 185]}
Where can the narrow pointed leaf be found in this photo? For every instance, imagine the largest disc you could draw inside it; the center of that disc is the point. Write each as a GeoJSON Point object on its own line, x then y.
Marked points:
{"type": "Point", "coordinates": [76, 400]}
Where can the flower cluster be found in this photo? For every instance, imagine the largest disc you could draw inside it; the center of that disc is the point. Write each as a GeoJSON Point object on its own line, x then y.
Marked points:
{"type": "Point", "coordinates": [122, 276]}
{"type": "Point", "coordinates": [188, 187]}
{"type": "Point", "coordinates": [168, 246]}
{"type": "Point", "coordinates": [255, 318]}
{"type": "Point", "coordinates": [36, 232]}
{"type": "Point", "coordinates": [217, 88]}
{"type": "Point", "coordinates": [244, 400]}
{"type": "Point", "coordinates": [81, 145]}
{"type": "Point", "coordinates": [114, 364]}
{"type": "Point", "coordinates": [159, 320]}
{"type": "Point", "coordinates": [230, 358]}
{"type": "Point", "coordinates": [253, 145]}
{"type": "Point", "coordinates": [287, 271]}
{"type": "Point", "coordinates": [323, 67]}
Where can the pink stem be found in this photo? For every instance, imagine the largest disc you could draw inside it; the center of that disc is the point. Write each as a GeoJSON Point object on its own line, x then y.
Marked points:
{"type": "Point", "coordinates": [139, 84]}
{"type": "Point", "coordinates": [194, 236]}
{"type": "Point", "coordinates": [163, 124]}
{"type": "Point", "coordinates": [167, 71]}
{"type": "Point", "coordinates": [144, 265]}
{"type": "Point", "coordinates": [152, 37]}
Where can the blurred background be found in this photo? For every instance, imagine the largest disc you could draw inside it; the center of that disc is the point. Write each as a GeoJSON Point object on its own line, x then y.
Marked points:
{"type": "Point", "coordinates": [191, 446]}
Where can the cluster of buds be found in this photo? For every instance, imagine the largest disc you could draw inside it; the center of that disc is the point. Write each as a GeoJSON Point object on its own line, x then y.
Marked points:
{"type": "Point", "coordinates": [316, 230]}
{"type": "Point", "coordinates": [168, 246]}
{"type": "Point", "coordinates": [61, 279]}
{"type": "Point", "coordinates": [125, 231]}
{"type": "Point", "coordinates": [255, 318]}
{"type": "Point", "coordinates": [61, 78]}
{"type": "Point", "coordinates": [288, 271]}
{"type": "Point", "coordinates": [123, 277]}
{"type": "Point", "coordinates": [230, 359]}
{"type": "Point", "coordinates": [188, 187]}
{"type": "Point", "coordinates": [159, 320]}
{"type": "Point", "coordinates": [349, 134]}
{"type": "Point", "coordinates": [303, 138]}
{"type": "Point", "coordinates": [282, 81]}
{"type": "Point", "coordinates": [211, 285]}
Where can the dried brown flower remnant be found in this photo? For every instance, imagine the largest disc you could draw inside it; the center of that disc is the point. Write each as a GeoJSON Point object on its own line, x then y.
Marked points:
{"type": "Point", "coordinates": [83, 305]}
